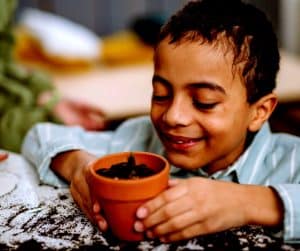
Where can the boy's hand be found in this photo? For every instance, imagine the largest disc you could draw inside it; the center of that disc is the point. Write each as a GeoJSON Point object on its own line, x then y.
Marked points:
{"type": "Point", "coordinates": [75, 112]}
{"type": "Point", "coordinates": [80, 192]}
{"type": "Point", "coordinates": [72, 112]}
{"type": "Point", "coordinates": [73, 167]}
{"type": "Point", "coordinates": [198, 206]}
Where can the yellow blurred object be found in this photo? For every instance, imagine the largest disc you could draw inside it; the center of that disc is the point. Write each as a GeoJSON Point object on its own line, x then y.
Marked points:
{"type": "Point", "coordinates": [58, 42]}
{"type": "Point", "coordinates": [47, 39]}
{"type": "Point", "coordinates": [120, 48]}
{"type": "Point", "coordinates": [125, 47]}
{"type": "Point", "coordinates": [28, 50]}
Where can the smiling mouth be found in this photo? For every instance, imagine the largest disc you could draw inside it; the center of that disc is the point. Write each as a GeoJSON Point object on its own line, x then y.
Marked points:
{"type": "Point", "coordinates": [179, 142]}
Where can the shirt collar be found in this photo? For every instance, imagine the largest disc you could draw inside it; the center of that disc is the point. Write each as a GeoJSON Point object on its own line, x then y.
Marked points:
{"type": "Point", "coordinates": [249, 162]}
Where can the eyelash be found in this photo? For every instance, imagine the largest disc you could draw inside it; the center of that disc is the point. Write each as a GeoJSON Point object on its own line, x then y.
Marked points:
{"type": "Point", "coordinates": [204, 106]}
{"type": "Point", "coordinates": [198, 105]}
{"type": "Point", "coordinates": [160, 98]}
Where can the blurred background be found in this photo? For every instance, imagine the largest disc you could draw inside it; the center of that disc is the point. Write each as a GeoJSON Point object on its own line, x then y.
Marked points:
{"type": "Point", "coordinates": [107, 16]}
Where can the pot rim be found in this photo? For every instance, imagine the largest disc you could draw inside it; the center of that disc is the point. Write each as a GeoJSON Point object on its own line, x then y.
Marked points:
{"type": "Point", "coordinates": [93, 168]}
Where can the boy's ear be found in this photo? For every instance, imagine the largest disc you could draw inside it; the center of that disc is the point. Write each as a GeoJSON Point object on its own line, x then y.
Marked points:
{"type": "Point", "coordinates": [261, 111]}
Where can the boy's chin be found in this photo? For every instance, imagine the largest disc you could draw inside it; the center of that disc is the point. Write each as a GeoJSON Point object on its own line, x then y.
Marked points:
{"type": "Point", "coordinates": [183, 161]}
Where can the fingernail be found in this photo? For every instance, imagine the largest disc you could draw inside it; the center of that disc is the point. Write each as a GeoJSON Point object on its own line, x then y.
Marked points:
{"type": "Point", "coordinates": [142, 213]}
{"type": "Point", "coordinates": [163, 239]}
{"type": "Point", "coordinates": [138, 226]}
{"type": "Point", "coordinates": [95, 208]}
{"type": "Point", "coordinates": [173, 182]}
{"type": "Point", "coordinates": [149, 234]}
{"type": "Point", "coordinates": [101, 225]}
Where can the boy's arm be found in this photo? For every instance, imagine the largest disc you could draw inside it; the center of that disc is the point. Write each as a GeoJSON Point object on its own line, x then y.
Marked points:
{"type": "Point", "coordinates": [262, 205]}
{"type": "Point", "coordinates": [66, 164]}
{"type": "Point", "coordinates": [46, 141]}
{"type": "Point", "coordinates": [278, 206]}
{"type": "Point", "coordinates": [72, 166]}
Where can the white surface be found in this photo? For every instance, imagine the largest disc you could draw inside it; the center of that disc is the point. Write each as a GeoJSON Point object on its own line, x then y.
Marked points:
{"type": "Point", "coordinates": [59, 36]}
{"type": "Point", "coordinates": [8, 182]}
{"type": "Point", "coordinates": [18, 177]}
{"type": "Point", "coordinates": [41, 213]}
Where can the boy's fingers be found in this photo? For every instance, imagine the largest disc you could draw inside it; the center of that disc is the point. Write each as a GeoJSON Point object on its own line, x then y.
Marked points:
{"type": "Point", "coordinates": [102, 224]}
{"type": "Point", "coordinates": [161, 200]}
{"type": "Point", "coordinates": [142, 212]}
{"type": "Point", "coordinates": [96, 210]}
{"type": "Point", "coordinates": [85, 107]}
{"type": "Point", "coordinates": [173, 182]}
{"type": "Point", "coordinates": [171, 215]}
{"type": "Point", "coordinates": [174, 224]}
{"type": "Point", "coordinates": [85, 207]}
{"type": "Point", "coordinates": [96, 207]}
{"type": "Point", "coordinates": [139, 226]}
{"type": "Point", "coordinates": [187, 233]}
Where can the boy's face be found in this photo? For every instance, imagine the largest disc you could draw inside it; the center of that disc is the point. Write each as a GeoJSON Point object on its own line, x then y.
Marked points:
{"type": "Point", "coordinates": [199, 105]}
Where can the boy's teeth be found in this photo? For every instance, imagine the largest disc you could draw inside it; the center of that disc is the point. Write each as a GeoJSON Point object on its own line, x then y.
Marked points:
{"type": "Point", "coordinates": [181, 141]}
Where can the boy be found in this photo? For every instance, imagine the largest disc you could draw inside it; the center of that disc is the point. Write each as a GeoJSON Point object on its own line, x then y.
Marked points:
{"type": "Point", "coordinates": [215, 67]}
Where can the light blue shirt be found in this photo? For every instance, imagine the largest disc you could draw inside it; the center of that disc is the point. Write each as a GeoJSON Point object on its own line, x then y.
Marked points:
{"type": "Point", "coordinates": [271, 159]}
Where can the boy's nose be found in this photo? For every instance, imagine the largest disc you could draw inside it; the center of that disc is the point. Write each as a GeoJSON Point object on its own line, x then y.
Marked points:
{"type": "Point", "coordinates": [178, 114]}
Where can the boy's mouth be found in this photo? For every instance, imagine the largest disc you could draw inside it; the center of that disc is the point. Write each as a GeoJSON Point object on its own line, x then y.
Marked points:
{"type": "Point", "coordinates": [179, 142]}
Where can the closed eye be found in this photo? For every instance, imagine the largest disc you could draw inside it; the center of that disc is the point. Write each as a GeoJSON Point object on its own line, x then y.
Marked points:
{"type": "Point", "coordinates": [159, 98]}
{"type": "Point", "coordinates": [204, 106]}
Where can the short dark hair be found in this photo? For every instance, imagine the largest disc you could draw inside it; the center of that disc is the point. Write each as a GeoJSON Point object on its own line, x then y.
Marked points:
{"type": "Point", "coordinates": [244, 26]}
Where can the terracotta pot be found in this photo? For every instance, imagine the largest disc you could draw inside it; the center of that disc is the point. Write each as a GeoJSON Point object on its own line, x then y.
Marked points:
{"type": "Point", "coordinates": [120, 198]}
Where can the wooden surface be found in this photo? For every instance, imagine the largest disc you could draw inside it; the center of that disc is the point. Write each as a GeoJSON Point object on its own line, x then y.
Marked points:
{"type": "Point", "coordinates": [126, 91]}
{"type": "Point", "coordinates": [119, 92]}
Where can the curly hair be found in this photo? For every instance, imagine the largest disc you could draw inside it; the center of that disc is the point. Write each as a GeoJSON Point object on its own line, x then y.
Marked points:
{"type": "Point", "coordinates": [248, 32]}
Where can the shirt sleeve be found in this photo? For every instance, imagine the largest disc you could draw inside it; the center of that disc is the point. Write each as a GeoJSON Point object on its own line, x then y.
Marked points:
{"type": "Point", "coordinates": [289, 194]}
{"type": "Point", "coordinates": [46, 140]}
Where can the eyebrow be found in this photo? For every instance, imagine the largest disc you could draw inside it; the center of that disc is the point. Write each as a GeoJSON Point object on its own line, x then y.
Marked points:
{"type": "Point", "coordinates": [196, 85]}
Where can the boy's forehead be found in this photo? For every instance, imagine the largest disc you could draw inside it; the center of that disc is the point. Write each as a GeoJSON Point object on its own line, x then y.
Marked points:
{"type": "Point", "coordinates": [222, 43]}
{"type": "Point", "coordinates": [221, 51]}
{"type": "Point", "coordinates": [217, 50]}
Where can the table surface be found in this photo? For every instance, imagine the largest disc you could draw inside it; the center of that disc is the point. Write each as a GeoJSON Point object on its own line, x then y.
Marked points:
{"type": "Point", "coordinates": [126, 91]}
{"type": "Point", "coordinates": [35, 217]}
